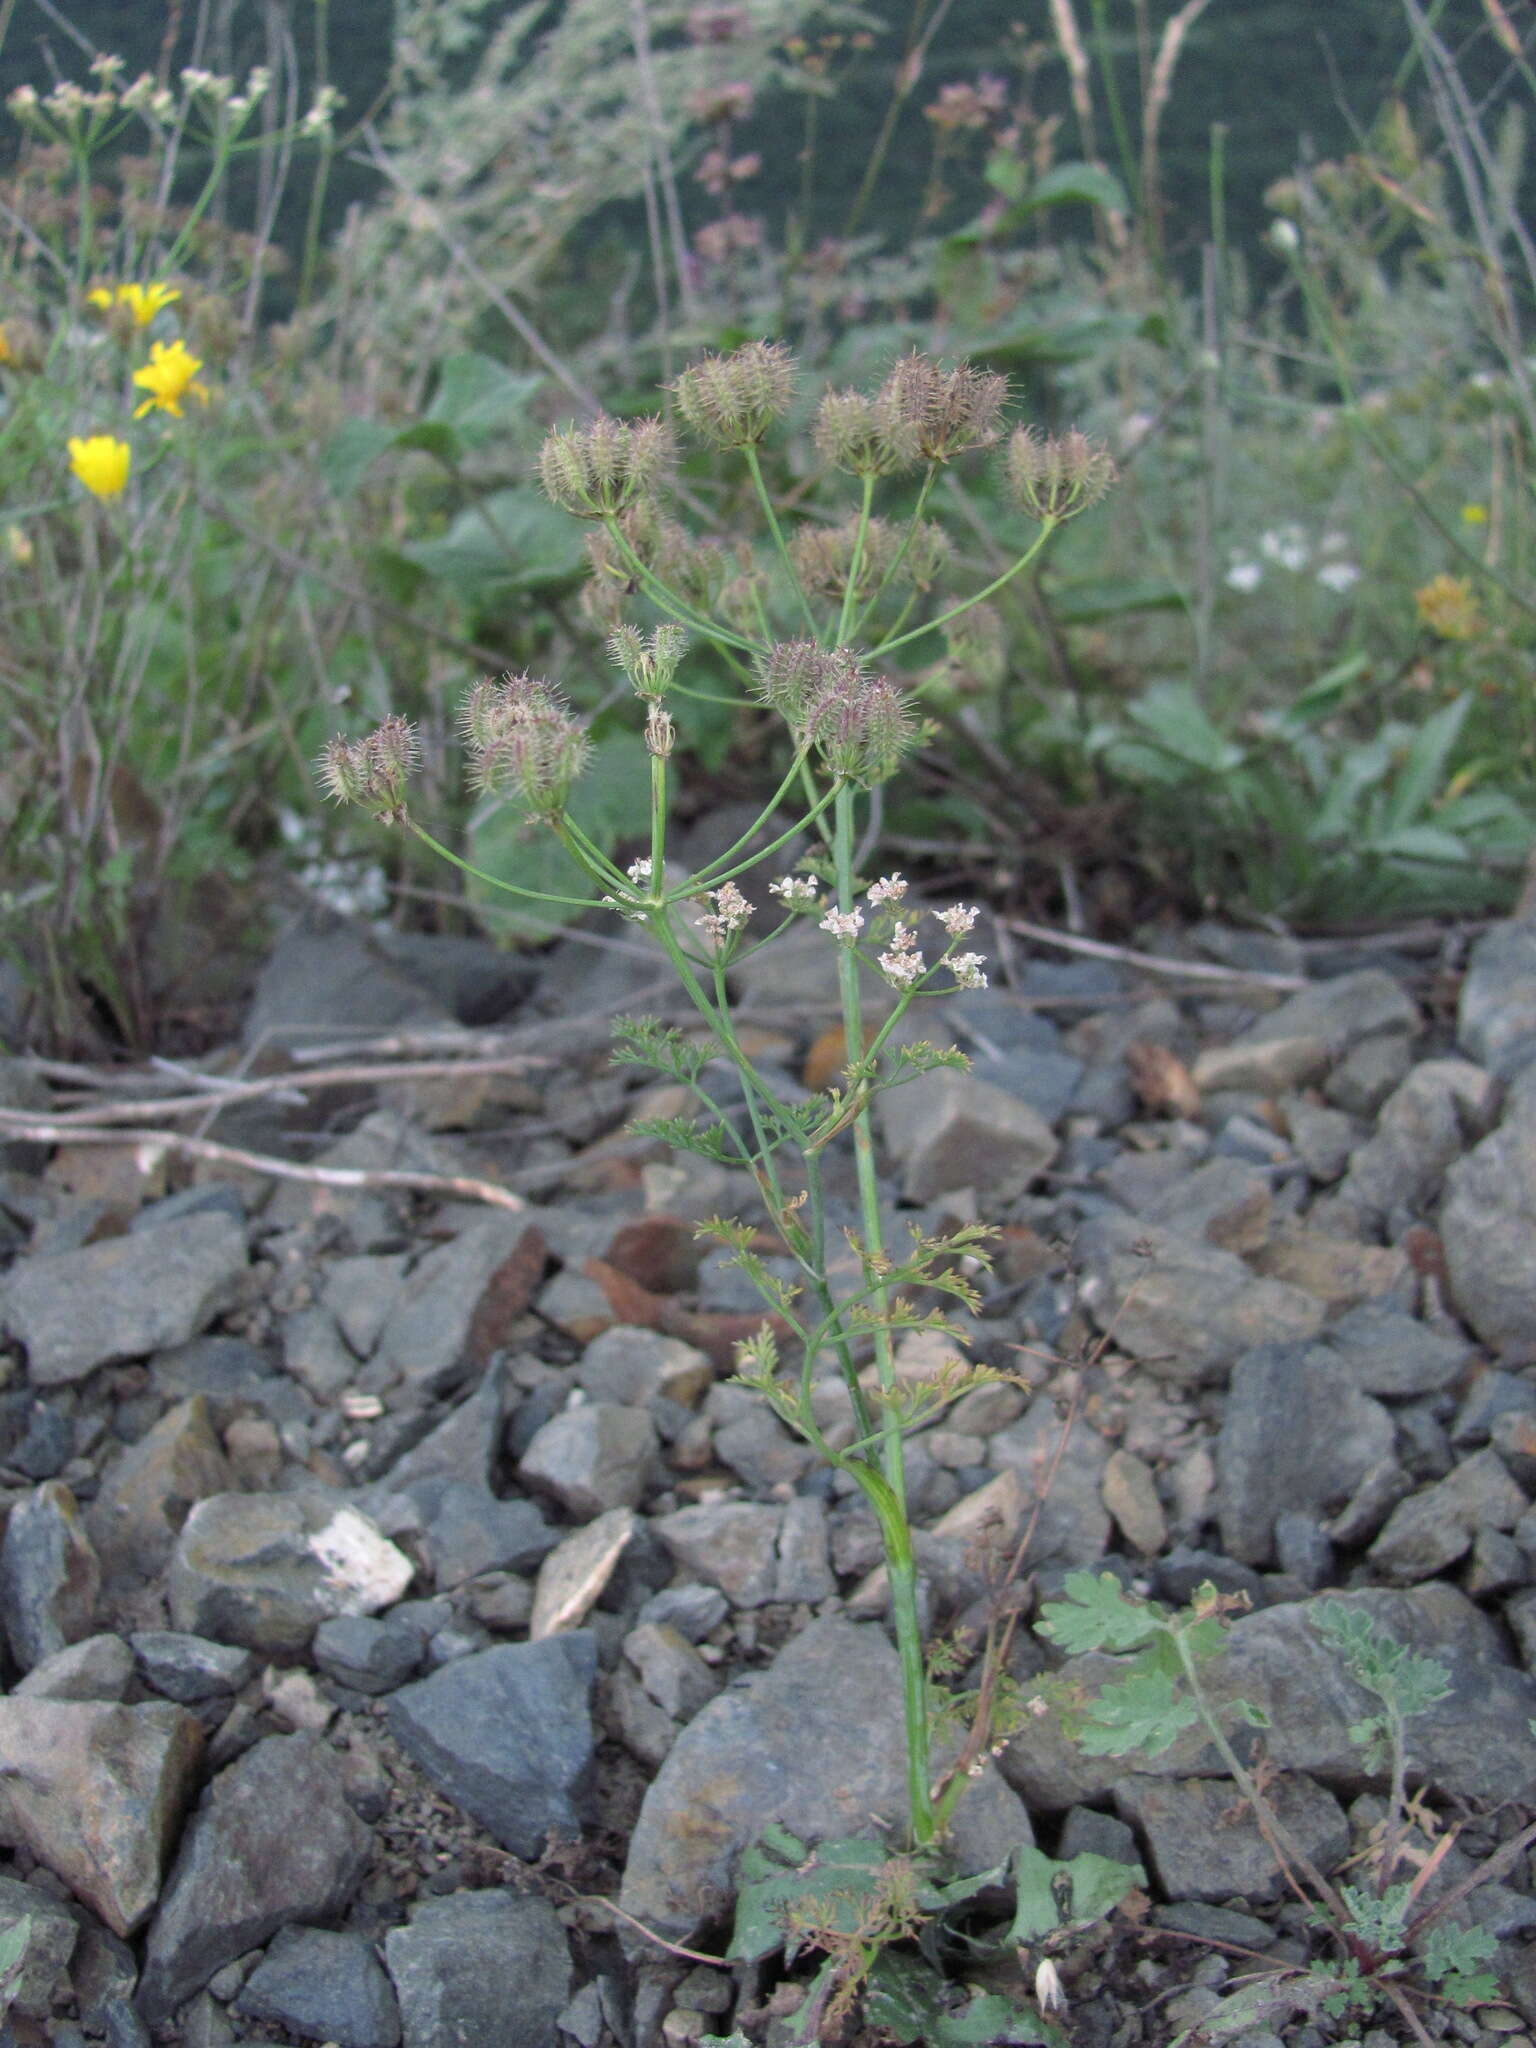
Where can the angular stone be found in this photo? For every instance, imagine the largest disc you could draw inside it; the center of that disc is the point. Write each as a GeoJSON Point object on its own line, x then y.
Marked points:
{"type": "Point", "coordinates": [671, 1670]}
{"type": "Point", "coordinates": [633, 1366]}
{"type": "Point", "coordinates": [425, 1339]}
{"type": "Point", "coordinates": [368, 1654]}
{"type": "Point", "coordinates": [50, 1576]}
{"type": "Point", "coordinates": [1435, 1526]}
{"type": "Point", "coordinates": [1341, 1012]}
{"type": "Point", "coordinates": [1422, 1127]}
{"type": "Point", "coordinates": [593, 1456]}
{"type": "Point", "coordinates": [1486, 1226]}
{"type": "Point", "coordinates": [1129, 1492]}
{"type": "Point", "coordinates": [96, 1668]}
{"type": "Point", "coordinates": [1202, 1849]}
{"type": "Point", "coordinates": [470, 1531]}
{"type": "Point", "coordinates": [1496, 1010]}
{"type": "Point", "coordinates": [360, 1292]}
{"type": "Point", "coordinates": [273, 1840]}
{"type": "Point", "coordinates": [1073, 1525]}
{"type": "Point", "coordinates": [39, 1979]}
{"type": "Point", "coordinates": [265, 1570]}
{"type": "Point", "coordinates": [573, 1577]}
{"type": "Point", "coordinates": [1384, 1351]}
{"type": "Point", "coordinates": [97, 1791]}
{"type": "Point", "coordinates": [327, 1987]}
{"type": "Point", "coordinates": [1333, 1270]}
{"type": "Point", "coordinates": [731, 1544]}
{"type": "Point", "coordinates": [485, 1966]}
{"type": "Point", "coordinates": [1266, 1066]}
{"type": "Point", "coordinates": [804, 1570]}
{"type": "Point", "coordinates": [465, 1445]}
{"type": "Point", "coordinates": [190, 1668]}
{"type": "Point", "coordinates": [151, 1488]}
{"type": "Point", "coordinates": [949, 1130]}
{"type": "Point", "coordinates": [507, 1735]}
{"type": "Point", "coordinates": [123, 1297]}
{"type": "Point", "coordinates": [1225, 1201]}
{"type": "Point", "coordinates": [814, 1743]}
{"type": "Point", "coordinates": [316, 1354]}
{"type": "Point", "coordinates": [1187, 1310]}
{"type": "Point", "coordinates": [1296, 1434]}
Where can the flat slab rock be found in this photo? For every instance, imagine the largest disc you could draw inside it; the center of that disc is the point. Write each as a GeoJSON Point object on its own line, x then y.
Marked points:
{"type": "Point", "coordinates": [480, 1967]}
{"type": "Point", "coordinates": [814, 1743]}
{"type": "Point", "coordinates": [122, 1298]}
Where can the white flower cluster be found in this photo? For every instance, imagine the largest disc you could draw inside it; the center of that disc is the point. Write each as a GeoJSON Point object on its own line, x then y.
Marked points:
{"type": "Point", "coordinates": [902, 963]}
{"type": "Point", "coordinates": [795, 889]}
{"type": "Point", "coordinates": [966, 968]}
{"type": "Point", "coordinates": [843, 924]}
{"type": "Point", "coordinates": [958, 919]}
{"type": "Point", "coordinates": [889, 889]}
{"type": "Point", "coordinates": [730, 913]}
{"type": "Point", "coordinates": [639, 871]}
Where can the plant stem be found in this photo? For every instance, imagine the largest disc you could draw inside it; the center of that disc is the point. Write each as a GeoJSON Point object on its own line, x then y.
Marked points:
{"type": "Point", "coordinates": [1048, 527]}
{"type": "Point", "coordinates": [889, 1499]}
{"type": "Point", "coordinates": [755, 468]}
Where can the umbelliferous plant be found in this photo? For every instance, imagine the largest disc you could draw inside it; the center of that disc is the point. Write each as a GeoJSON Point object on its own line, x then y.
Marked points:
{"type": "Point", "coordinates": [803, 619]}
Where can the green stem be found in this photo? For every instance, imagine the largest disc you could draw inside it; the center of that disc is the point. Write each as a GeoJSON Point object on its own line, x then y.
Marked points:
{"type": "Point", "coordinates": [709, 872]}
{"type": "Point", "coordinates": [755, 469]}
{"type": "Point", "coordinates": [713, 877]}
{"type": "Point", "coordinates": [887, 1492]}
{"type": "Point", "coordinates": [900, 556]}
{"type": "Point", "coordinates": [1048, 527]}
{"type": "Point", "coordinates": [658, 819]}
{"type": "Point", "coordinates": [511, 888]}
{"type": "Point", "coordinates": [668, 601]}
{"type": "Point", "coordinates": [856, 563]}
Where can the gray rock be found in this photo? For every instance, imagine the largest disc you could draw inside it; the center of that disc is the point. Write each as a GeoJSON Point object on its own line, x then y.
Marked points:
{"type": "Point", "coordinates": [1421, 1129]}
{"type": "Point", "coordinates": [1202, 1849]}
{"type": "Point", "coordinates": [1434, 1527]}
{"type": "Point", "coordinates": [1186, 1309]}
{"type": "Point", "coordinates": [148, 1492]}
{"type": "Point", "coordinates": [1302, 1548]}
{"type": "Point", "coordinates": [760, 1450]}
{"type": "Point", "coordinates": [360, 1292]}
{"type": "Point", "coordinates": [1296, 1435]}
{"type": "Point", "coordinates": [507, 1734]}
{"type": "Point", "coordinates": [1496, 1011]}
{"type": "Point", "coordinates": [1324, 1139]}
{"type": "Point", "coordinates": [96, 1668]}
{"type": "Point", "coordinates": [1369, 1072]}
{"type": "Point", "coordinates": [190, 1668]}
{"type": "Point", "coordinates": [273, 1840]}
{"type": "Point", "coordinates": [1341, 1012]}
{"type": "Point", "coordinates": [671, 1670]}
{"type": "Point", "coordinates": [815, 1743]}
{"type": "Point", "coordinates": [1086, 1831]}
{"type": "Point", "coordinates": [633, 1367]}
{"type": "Point", "coordinates": [464, 1445]}
{"type": "Point", "coordinates": [1383, 1351]}
{"type": "Point", "coordinates": [367, 1654]}
{"type": "Point", "coordinates": [948, 1130]}
{"type": "Point", "coordinates": [316, 1353]}
{"type": "Point", "coordinates": [50, 1575]}
{"type": "Point", "coordinates": [227, 1369]}
{"type": "Point", "coordinates": [123, 1297]}
{"type": "Point", "coordinates": [804, 1571]}
{"type": "Point", "coordinates": [327, 1987]}
{"type": "Point", "coordinates": [1262, 1066]}
{"type": "Point", "coordinates": [732, 1544]}
{"type": "Point", "coordinates": [326, 979]}
{"type": "Point", "coordinates": [1489, 1395]}
{"type": "Point", "coordinates": [265, 1570]}
{"type": "Point", "coordinates": [50, 1942]}
{"type": "Point", "coordinates": [424, 1337]}
{"type": "Point", "coordinates": [1486, 1222]}
{"type": "Point", "coordinates": [469, 1531]}
{"type": "Point", "coordinates": [592, 1456]}
{"type": "Point", "coordinates": [1224, 1201]}
{"type": "Point", "coordinates": [692, 1610]}
{"type": "Point", "coordinates": [97, 1791]}
{"type": "Point", "coordinates": [486, 1966]}
{"type": "Point", "coordinates": [37, 1438]}
{"type": "Point", "coordinates": [1074, 1524]}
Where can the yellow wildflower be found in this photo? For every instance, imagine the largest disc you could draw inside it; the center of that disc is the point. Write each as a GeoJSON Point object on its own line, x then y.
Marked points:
{"type": "Point", "coordinates": [144, 301]}
{"type": "Point", "coordinates": [1474, 515]}
{"type": "Point", "coordinates": [168, 376]}
{"type": "Point", "coordinates": [7, 353]}
{"type": "Point", "coordinates": [1447, 606]}
{"type": "Point", "coordinates": [101, 463]}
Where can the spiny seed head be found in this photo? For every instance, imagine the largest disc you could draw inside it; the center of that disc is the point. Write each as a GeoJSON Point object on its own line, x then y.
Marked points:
{"type": "Point", "coordinates": [495, 703]}
{"type": "Point", "coordinates": [731, 401]}
{"type": "Point", "coordinates": [948, 410]}
{"type": "Point", "coordinates": [650, 664]}
{"type": "Point", "coordinates": [789, 675]}
{"type": "Point", "coordinates": [372, 772]}
{"type": "Point", "coordinates": [600, 470]}
{"type": "Point", "coordinates": [533, 762]}
{"type": "Point", "coordinates": [1057, 476]}
{"type": "Point", "coordinates": [861, 727]}
{"type": "Point", "coordinates": [864, 436]}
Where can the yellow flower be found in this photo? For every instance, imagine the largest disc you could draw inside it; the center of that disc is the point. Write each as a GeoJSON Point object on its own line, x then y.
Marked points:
{"type": "Point", "coordinates": [7, 353]}
{"type": "Point", "coordinates": [1447, 606]}
{"type": "Point", "coordinates": [1474, 515]}
{"type": "Point", "coordinates": [101, 463]}
{"type": "Point", "coordinates": [168, 376]}
{"type": "Point", "coordinates": [144, 301]}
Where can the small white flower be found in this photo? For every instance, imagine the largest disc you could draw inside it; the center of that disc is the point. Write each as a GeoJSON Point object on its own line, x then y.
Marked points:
{"type": "Point", "coordinates": [1244, 576]}
{"type": "Point", "coordinates": [966, 968]}
{"type": "Point", "coordinates": [1049, 1994]}
{"type": "Point", "coordinates": [106, 67]}
{"type": "Point", "coordinates": [1286, 545]}
{"type": "Point", "coordinates": [901, 969]}
{"type": "Point", "coordinates": [889, 889]}
{"type": "Point", "coordinates": [1339, 576]}
{"type": "Point", "coordinates": [23, 100]}
{"type": "Point", "coordinates": [958, 918]}
{"type": "Point", "coordinates": [795, 889]}
{"type": "Point", "coordinates": [843, 924]}
{"type": "Point", "coordinates": [639, 871]}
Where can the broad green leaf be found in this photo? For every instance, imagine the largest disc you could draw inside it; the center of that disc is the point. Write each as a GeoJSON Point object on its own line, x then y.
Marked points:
{"type": "Point", "coordinates": [828, 1884]}
{"type": "Point", "coordinates": [1098, 1614]}
{"type": "Point", "coordinates": [479, 398]}
{"type": "Point", "coordinates": [1084, 184]}
{"type": "Point", "coordinates": [1143, 1713]}
{"type": "Point", "coordinates": [515, 541]}
{"type": "Point", "coordinates": [351, 452]}
{"type": "Point", "coordinates": [1418, 842]}
{"type": "Point", "coordinates": [1052, 1895]}
{"type": "Point", "coordinates": [1427, 769]}
{"type": "Point", "coordinates": [1173, 717]}
{"type": "Point", "coordinates": [914, 2004]}
{"type": "Point", "coordinates": [431, 437]}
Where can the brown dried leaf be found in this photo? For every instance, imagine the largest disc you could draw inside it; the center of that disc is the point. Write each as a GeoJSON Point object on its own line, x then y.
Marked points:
{"type": "Point", "coordinates": [1161, 1080]}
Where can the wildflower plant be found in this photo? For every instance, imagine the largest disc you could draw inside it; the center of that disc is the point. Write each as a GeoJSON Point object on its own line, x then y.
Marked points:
{"type": "Point", "coordinates": [809, 650]}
